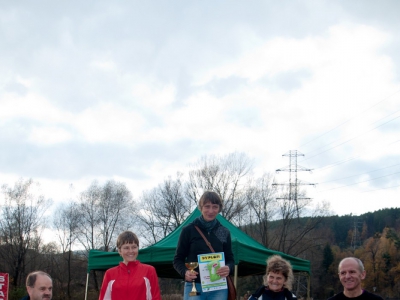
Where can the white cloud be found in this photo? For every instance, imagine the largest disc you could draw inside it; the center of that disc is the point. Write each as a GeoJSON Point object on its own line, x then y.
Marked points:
{"type": "Point", "coordinates": [263, 88]}
{"type": "Point", "coordinates": [345, 45]}
{"type": "Point", "coordinates": [109, 123]}
{"type": "Point", "coordinates": [156, 98]}
{"type": "Point", "coordinates": [104, 65]}
{"type": "Point", "coordinates": [49, 135]}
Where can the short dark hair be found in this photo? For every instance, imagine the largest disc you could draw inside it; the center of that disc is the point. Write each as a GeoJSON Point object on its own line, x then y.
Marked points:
{"type": "Point", "coordinates": [31, 278]}
{"type": "Point", "coordinates": [209, 196]}
{"type": "Point", "coordinates": [127, 237]}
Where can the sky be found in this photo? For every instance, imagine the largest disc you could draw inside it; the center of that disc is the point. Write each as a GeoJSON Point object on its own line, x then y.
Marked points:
{"type": "Point", "coordinates": [135, 91]}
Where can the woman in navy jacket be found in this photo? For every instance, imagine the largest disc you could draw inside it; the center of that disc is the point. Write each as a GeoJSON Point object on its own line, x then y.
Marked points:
{"type": "Point", "coordinates": [191, 244]}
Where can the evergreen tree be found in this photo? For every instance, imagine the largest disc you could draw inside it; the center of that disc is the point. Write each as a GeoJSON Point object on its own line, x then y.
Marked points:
{"type": "Point", "coordinates": [328, 258]}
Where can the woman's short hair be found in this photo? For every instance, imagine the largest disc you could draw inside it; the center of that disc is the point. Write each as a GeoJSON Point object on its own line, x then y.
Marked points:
{"type": "Point", "coordinates": [276, 264]}
{"type": "Point", "coordinates": [31, 278]}
{"type": "Point", "coordinates": [127, 237]}
{"type": "Point", "coordinates": [211, 197]}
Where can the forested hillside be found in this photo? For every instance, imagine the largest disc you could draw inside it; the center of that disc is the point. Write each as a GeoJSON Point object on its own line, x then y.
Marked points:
{"type": "Point", "coordinates": [367, 225]}
{"type": "Point", "coordinates": [342, 228]}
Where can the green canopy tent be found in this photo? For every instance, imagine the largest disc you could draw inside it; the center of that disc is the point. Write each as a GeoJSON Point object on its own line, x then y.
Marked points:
{"type": "Point", "coordinates": [250, 256]}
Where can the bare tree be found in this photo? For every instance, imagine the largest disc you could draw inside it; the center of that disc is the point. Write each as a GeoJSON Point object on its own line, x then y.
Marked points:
{"type": "Point", "coordinates": [66, 223]}
{"type": "Point", "coordinates": [21, 217]}
{"type": "Point", "coordinates": [104, 211]}
{"type": "Point", "coordinates": [225, 175]}
{"type": "Point", "coordinates": [89, 234]}
{"type": "Point", "coordinates": [164, 208]}
{"type": "Point", "coordinates": [299, 220]}
{"type": "Point", "coordinates": [261, 199]}
{"type": "Point", "coordinates": [115, 212]}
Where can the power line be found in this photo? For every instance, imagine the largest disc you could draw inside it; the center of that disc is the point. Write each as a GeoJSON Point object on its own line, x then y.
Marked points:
{"type": "Point", "coordinates": [353, 138]}
{"type": "Point", "coordinates": [385, 188]}
{"type": "Point", "coordinates": [334, 144]}
{"type": "Point", "coordinates": [359, 174]}
{"type": "Point", "coordinates": [386, 98]}
{"type": "Point", "coordinates": [349, 159]}
{"type": "Point", "coordinates": [359, 182]}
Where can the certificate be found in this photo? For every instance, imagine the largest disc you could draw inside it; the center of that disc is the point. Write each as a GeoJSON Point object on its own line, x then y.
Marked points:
{"type": "Point", "coordinates": [208, 265]}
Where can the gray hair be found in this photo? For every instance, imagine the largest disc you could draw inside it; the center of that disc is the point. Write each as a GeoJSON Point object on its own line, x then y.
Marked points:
{"type": "Point", "coordinates": [357, 260]}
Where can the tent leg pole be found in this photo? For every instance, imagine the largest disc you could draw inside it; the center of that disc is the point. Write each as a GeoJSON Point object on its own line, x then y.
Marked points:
{"type": "Point", "coordinates": [87, 283]}
{"type": "Point", "coordinates": [308, 286]}
{"type": "Point", "coordinates": [235, 276]}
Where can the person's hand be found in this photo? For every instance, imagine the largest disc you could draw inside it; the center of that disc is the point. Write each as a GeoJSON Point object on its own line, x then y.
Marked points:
{"type": "Point", "coordinates": [223, 271]}
{"type": "Point", "coordinates": [190, 275]}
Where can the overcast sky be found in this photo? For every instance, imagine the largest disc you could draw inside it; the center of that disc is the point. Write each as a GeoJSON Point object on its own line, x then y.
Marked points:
{"type": "Point", "coordinates": [137, 90]}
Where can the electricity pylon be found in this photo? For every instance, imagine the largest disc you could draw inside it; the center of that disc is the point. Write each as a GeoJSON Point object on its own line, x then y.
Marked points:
{"type": "Point", "coordinates": [294, 183]}
{"type": "Point", "coordinates": [356, 238]}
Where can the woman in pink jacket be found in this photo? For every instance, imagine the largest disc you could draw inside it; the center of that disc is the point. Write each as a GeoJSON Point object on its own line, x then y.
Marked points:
{"type": "Point", "coordinates": [130, 280]}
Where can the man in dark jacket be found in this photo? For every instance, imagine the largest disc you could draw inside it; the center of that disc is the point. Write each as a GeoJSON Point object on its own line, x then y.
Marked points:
{"type": "Point", "coordinates": [39, 285]}
{"type": "Point", "coordinates": [351, 274]}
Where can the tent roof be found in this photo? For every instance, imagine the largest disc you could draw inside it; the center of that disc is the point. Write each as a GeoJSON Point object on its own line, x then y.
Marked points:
{"type": "Point", "coordinates": [250, 256]}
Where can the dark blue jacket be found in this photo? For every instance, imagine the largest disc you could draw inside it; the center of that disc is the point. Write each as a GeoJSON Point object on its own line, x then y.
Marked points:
{"type": "Point", "coordinates": [191, 244]}
{"type": "Point", "coordinates": [266, 294]}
